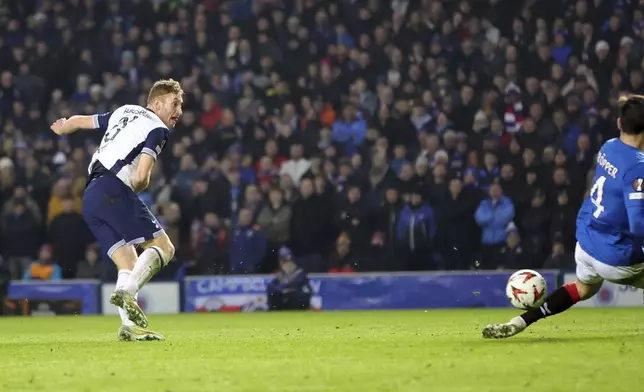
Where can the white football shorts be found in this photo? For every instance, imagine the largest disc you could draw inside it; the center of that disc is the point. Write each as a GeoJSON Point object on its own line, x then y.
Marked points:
{"type": "Point", "coordinates": [591, 270]}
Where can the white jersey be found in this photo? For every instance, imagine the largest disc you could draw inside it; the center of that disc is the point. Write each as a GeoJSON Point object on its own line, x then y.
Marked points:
{"type": "Point", "coordinates": [130, 131]}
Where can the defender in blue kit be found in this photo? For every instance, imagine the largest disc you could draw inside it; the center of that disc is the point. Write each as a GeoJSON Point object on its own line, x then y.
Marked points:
{"type": "Point", "coordinates": [610, 224]}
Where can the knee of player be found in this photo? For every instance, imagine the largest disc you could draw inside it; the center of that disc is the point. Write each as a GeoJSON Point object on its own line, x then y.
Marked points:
{"type": "Point", "coordinates": [169, 251]}
{"type": "Point", "coordinates": [166, 249]}
{"type": "Point", "coordinates": [587, 290]}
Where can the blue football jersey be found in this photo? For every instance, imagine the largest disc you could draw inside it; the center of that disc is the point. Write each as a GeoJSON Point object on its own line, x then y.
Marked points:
{"type": "Point", "coordinates": [610, 223]}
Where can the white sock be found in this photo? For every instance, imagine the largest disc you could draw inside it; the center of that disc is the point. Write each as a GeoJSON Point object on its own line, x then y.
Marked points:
{"type": "Point", "coordinates": [148, 264]}
{"type": "Point", "coordinates": [121, 281]}
{"type": "Point", "coordinates": [519, 322]}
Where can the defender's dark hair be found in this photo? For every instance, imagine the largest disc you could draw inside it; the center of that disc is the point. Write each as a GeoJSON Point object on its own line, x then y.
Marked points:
{"type": "Point", "coordinates": [630, 109]}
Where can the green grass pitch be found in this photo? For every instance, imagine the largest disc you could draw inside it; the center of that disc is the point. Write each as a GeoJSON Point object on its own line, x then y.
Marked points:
{"type": "Point", "coordinates": [583, 350]}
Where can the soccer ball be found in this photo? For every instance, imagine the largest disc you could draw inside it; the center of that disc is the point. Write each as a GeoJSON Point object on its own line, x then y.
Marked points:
{"type": "Point", "coordinates": [526, 289]}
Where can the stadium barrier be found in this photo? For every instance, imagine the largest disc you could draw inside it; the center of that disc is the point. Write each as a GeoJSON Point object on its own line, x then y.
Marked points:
{"type": "Point", "coordinates": [52, 297]}
{"type": "Point", "coordinates": [370, 291]}
{"type": "Point", "coordinates": [154, 298]}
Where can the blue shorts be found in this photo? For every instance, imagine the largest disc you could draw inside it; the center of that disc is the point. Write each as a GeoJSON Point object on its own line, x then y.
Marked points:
{"type": "Point", "coordinates": [116, 216]}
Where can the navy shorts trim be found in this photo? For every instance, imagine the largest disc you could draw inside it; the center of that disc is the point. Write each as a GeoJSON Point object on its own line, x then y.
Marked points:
{"type": "Point", "coordinates": [116, 215]}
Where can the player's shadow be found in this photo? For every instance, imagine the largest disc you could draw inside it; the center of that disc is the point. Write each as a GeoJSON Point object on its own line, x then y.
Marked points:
{"type": "Point", "coordinates": [568, 339]}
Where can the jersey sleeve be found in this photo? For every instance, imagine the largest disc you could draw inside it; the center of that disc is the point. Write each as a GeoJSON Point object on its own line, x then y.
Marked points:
{"type": "Point", "coordinates": [633, 187]}
{"type": "Point", "coordinates": [101, 121]}
{"type": "Point", "coordinates": [155, 141]}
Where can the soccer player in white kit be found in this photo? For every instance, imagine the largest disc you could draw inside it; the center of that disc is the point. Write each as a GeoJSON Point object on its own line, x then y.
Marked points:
{"type": "Point", "coordinates": [120, 168]}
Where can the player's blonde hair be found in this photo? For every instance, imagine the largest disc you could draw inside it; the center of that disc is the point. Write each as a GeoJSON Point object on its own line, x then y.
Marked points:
{"type": "Point", "coordinates": [163, 87]}
{"type": "Point", "coordinates": [624, 99]}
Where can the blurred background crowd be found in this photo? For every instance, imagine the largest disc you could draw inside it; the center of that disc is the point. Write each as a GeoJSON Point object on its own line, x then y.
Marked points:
{"type": "Point", "coordinates": [365, 135]}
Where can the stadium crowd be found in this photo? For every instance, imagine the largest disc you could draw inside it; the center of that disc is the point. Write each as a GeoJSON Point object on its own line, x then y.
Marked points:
{"type": "Point", "coordinates": [364, 135]}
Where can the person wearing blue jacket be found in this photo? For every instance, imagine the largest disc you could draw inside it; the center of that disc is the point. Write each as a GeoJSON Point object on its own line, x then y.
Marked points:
{"type": "Point", "coordinates": [415, 233]}
{"type": "Point", "coordinates": [349, 131]}
{"type": "Point", "coordinates": [493, 216]}
{"type": "Point", "coordinates": [247, 245]}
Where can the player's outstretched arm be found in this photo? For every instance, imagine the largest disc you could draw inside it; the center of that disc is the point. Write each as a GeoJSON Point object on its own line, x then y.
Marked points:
{"type": "Point", "coordinates": [64, 126]}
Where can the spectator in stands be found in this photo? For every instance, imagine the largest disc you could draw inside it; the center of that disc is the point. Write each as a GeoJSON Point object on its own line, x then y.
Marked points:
{"type": "Point", "coordinates": [253, 200]}
{"type": "Point", "coordinates": [69, 236]}
{"type": "Point", "coordinates": [400, 159]}
{"type": "Point", "coordinates": [90, 266]}
{"type": "Point", "coordinates": [342, 258]}
{"type": "Point", "coordinates": [186, 176]}
{"type": "Point", "coordinates": [308, 224]}
{"type": "Point", "coordinates": [415, 233]}
{"type": "Point", "coordinates": [246, 170]}
{"type": "Point", "coordinates": [10, 93]}
{"type": "Point", "coordinates": [535, 226]}
{"type": "Point", "coordinates": [490, 172]}
{"type": "Point", "coordinates": [20, 237]}
{"type": "Point", "coordinates": [560, 258]}
{"type": "Point", "coordinates": [170, 220]}
{"type": "Point", "coordinates": [275, 220]}
{"type": "Point", "coordinates": [353, 218]}
{"type": "Point", "coordinates": [44, 268]}
{"type": "Point", "coordinates": [493, 216]}
{"type": "Point", "coordinates": [7, 170]}
{"type": "Point", "coordinates": [208, 241]}
{"type": "Point", "coordinates": [378, 257]}
{"type": "Point", "coordinates": [387, 216]}
{"type": "Point", "coordinates": [456, 237]}
{"type": "Point", "coordinates": [562, 224]}
{"type": "Point", "coordinates": [513, 254]}
{"type": "Point", "coordinates": [233, 198]}
{"type": "Point", "coordinates": [297, 166]}
{"type": "Point", "coordinates": [20, 195]}
{"type": "Point", "coordinates": [62, 190]}
{"type": "Point", "coordinates": [39, 180]}
{"type": "Point", "coordinates": [247, 245]}
{"type": "Point", "coordinates": [349, 131]}
{"type": "Point", "coordinates": [290, 290]}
